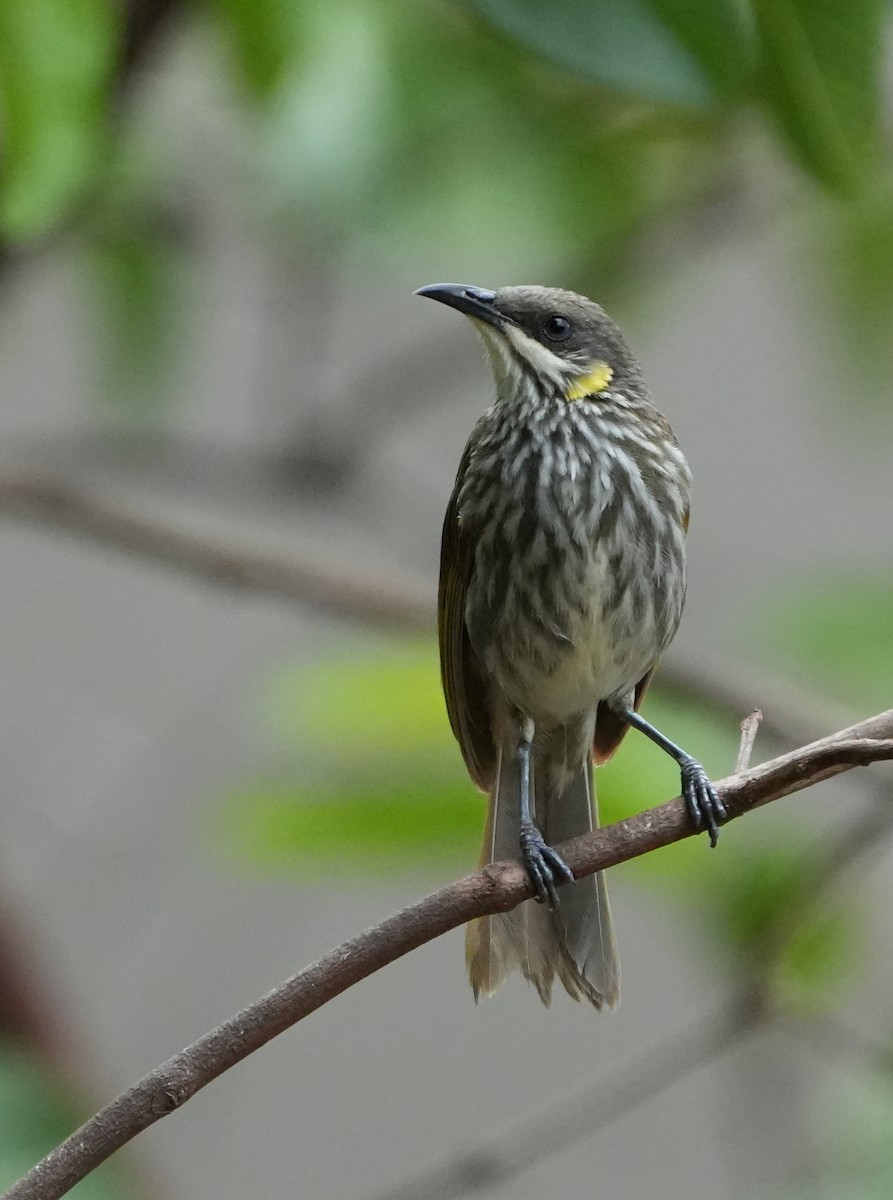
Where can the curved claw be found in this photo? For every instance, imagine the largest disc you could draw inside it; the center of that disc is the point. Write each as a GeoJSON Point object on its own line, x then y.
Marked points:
{"type": "Point", "coordinates": [705, 808]}
{"type": "Point", "coordinates": [545, 867]}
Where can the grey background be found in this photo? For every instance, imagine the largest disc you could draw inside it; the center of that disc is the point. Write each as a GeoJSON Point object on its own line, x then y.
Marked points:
{"type": "Point", "coordinates": [128, 710]}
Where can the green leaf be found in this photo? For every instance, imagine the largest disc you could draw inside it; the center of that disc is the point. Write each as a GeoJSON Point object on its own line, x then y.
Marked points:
{"type": "Point", "coordinates": [836, 635]}
{"type": "Point", "coordinates": [854, 245]}
{"type": "Point", "coordinates": [617, 43]}
{"type": "Point", "coordinates": [819, 74]}
{"type": "Point", "coordinates": [387, 703]}
{"type": "Point", "coordinates": [715, 33]}
{"type": "Point", "coordinates": [56, 60]}
{"type": "Point", "coordinates": [756, 910]}
{"type": "Point", "coordinates": [817, 965]}
{"type": "Point", "coordinates": [372, 826]}
{"type": "Point", "coordinates": [265, 37]}
{"type": "Point", "coordinates": [136, 274]}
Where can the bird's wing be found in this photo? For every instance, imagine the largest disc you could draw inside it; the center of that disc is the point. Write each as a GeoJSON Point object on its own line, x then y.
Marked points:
{"type": "Point", "coordinates": [463, 683]}
{"type": "Point", "coordinates": [610, 728]}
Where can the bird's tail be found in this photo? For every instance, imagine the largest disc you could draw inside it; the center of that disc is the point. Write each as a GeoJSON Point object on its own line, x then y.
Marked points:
{"type": "Point", "coordinates": [575, 942]}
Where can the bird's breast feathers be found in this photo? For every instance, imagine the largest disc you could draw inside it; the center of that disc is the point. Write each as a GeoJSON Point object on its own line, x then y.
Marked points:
{"type": "Point", "coordinates": [579, 564]}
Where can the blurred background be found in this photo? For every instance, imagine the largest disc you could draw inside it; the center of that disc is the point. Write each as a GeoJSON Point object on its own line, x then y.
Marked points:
{"type": "Point", "coordinates": [229, 432]}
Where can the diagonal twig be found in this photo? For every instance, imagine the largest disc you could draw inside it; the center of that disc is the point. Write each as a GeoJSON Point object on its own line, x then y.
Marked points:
{"type": "Point", "coordinates": [63, 505]}
{"type": "Point", "coordinates": [749, 729]}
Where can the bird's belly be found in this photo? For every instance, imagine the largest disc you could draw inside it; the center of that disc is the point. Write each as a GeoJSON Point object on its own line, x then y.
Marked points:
{"type": "Point", "coordinates": [570, 682]}
{"type": "Point", "coordinates": [555, 651]}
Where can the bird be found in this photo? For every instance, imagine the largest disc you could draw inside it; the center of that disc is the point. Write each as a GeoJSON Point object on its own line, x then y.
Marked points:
{"type": "Point", "coordinates": [562, 581]}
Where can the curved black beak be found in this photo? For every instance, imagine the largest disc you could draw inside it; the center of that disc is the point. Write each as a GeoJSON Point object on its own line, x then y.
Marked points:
{"type": "Point", "coordinates": [473, 301]}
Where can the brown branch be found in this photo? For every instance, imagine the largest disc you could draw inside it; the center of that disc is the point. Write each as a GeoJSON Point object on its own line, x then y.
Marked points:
{"type": "Point", "coordinates": [62, 505]}
{"type": "Point", "coordinates": [496, 888]}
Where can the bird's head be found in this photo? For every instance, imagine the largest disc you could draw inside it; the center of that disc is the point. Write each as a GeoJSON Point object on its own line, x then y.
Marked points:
{"type": "Point", "coordinates": [566, 344]}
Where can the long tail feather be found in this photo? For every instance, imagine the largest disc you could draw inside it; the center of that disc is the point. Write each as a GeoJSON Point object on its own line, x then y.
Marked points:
{"type": "Point", "coordinates": [589, 962]}
{"type": "Point", "coordinates": [576, 942]}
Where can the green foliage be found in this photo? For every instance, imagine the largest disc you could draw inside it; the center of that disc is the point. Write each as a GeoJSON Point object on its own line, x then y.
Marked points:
{"type": "Point", "coordinates": [835, 634]}
{"type": "Point", "coordinates": [374, 705]}
{"type": "Point", "coordinates": [813, 64]}
{"type": "Point", "coordinates": [551, 135]}
{"type": "Point", "coordinates": [369, 826]}
{"type": "Point", "coordinates": [617, 43]}
{"type": "Point", "coordinates": [395, 796]}
{"type": "Point", "coordinates": [34, 1117]}
{"type": "Point", "coordinates": [820, 79]}
{"type": "Point", "coordinates": [852, 246]}
{"type": "Point", "coordinates": [265, 38]}
{"type": "Point", "coordinates": [768, 918]}
{"type": "Point", "coordinates": [717, 33]}
{"type": "Point", "coordinates": [402, 132]}
{"type": "Point", "coordinates": [56, 60]}
{"type": "Point", "coordinates": [816, 966]}
{"type": "Point", "coordinates": [135, 276]}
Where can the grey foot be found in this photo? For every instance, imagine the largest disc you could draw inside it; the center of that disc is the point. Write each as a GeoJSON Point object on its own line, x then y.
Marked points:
{"type": "Point", "coordinates": [704, 806]}
{"type": "Point", "coordinates": [545, 868]}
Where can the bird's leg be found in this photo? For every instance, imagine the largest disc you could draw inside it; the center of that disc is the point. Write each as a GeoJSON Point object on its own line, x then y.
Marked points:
{"type": "Point", "coordinates": [705, 808]}
{"type": "Point", "coordinates": [545, 868]}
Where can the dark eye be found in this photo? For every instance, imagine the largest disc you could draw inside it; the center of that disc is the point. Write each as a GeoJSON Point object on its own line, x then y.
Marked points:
{"type": "Point", "coordinates": [557, 328]}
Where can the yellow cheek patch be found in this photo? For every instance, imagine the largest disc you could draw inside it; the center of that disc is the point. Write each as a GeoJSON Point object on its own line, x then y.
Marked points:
{"type": "Point", "coordinates": [593, 383]}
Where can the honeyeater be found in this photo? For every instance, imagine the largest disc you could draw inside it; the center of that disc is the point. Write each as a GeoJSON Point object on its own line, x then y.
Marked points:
{"type": "Point", "coordinates": [562, 580]}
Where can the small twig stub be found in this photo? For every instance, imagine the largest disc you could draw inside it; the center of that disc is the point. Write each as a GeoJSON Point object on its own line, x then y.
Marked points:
{"type": "Point", "coordinates": [749, 729]}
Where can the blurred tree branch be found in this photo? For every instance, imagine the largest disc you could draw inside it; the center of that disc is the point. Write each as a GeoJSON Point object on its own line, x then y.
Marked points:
{"type": "Point", "coordinates": [61, 505]}
{"type": "Point", "coordinates": [403, 603]}
{"type": "Point", "coordinates": [584, 1111]}
{"type": "Point", "coordinates": [497, 888]}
